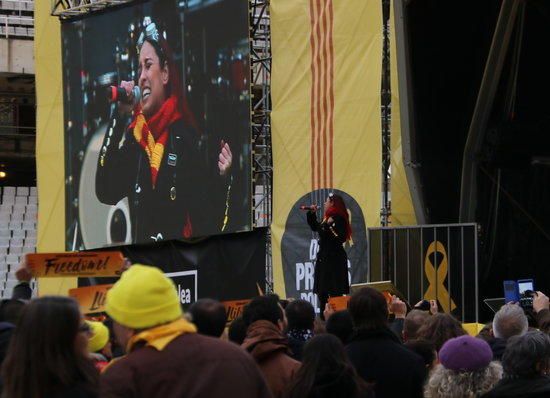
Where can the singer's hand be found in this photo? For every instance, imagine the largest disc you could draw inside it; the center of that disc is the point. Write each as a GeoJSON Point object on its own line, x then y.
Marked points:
{"type": "Point", "coordinates": [225, 158]}
{"type": "Point", "coordinates": [126, 107]}
{"type": "Point", "coordinates": [129, 87]}
{"type": "Point", "coordinates": [313, 208]}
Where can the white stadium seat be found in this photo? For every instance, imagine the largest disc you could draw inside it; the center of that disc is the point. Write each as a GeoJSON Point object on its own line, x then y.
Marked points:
{"type": "Point", "coordinates": [21, 200]}
{"type": "Point", "coordinates": [8, 191]}
{"type": "Point", "coordinates": [22, 191]}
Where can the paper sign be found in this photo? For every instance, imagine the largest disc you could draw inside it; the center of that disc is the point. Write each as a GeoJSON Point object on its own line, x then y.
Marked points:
{"type": "Point", "coordinates": [234, 309]}
{"type": "Point", "coordinates": [84, 264]}
{"type": "Point", "coordinates": [91, 298]}
{"type": "Point", "coordinates": [338, 303]}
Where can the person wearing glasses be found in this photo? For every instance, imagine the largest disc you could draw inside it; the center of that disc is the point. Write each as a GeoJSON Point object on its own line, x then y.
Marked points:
{"type": "Point", "coordinates": [331, 266]}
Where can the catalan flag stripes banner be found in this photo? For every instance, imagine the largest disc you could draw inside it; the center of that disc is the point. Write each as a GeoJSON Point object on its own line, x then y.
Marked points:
{"type": "Point", "coordinates": [326, 128]}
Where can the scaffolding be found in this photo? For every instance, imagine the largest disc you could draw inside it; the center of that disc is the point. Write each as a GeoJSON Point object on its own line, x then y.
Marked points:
{"type": "Point", "coordinates": [262, 164]}
{"type": "Point", "coordinates": [65, 9]}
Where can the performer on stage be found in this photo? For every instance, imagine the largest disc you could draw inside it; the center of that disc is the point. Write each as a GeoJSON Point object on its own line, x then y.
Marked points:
{"type": "Point", "coordinates": [155, 160]}
{"type": "Point", "coordinates": [331, 266]}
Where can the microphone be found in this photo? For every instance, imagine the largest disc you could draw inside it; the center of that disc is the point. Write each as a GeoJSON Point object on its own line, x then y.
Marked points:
{"type": "Point", "coordinates": [115, 94]}
{"type": "Point", "coordinates": [310, 207]}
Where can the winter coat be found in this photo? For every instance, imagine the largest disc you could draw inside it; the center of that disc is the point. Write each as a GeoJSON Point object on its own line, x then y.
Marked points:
{"type": "Point", "coordinates": [509, 387]}
{"type": "Point", "coordinates": [174, 207]}
{"type": "Point", "coordinates": [331, 265]}
{"type": "Point", "coordinates": [380, 358]}
{"type": "Point", "coordinates": [269, 348]}
{"type": "Point", "coordinates": [190, 366]}
{"type": "Point", "coordinates": [498, 346]}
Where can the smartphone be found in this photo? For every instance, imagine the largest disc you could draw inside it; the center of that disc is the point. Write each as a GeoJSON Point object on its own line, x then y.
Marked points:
{"type": "Point", "coordinates": [524, 285]}
{"type": "Point", "coordinates": [511, 293]}
{"type": "Point", "coordinates": [526, 289]}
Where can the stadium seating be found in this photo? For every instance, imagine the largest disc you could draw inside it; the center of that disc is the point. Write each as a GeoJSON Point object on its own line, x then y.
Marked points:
{"type": "Point", "coordinates": [18, 217]}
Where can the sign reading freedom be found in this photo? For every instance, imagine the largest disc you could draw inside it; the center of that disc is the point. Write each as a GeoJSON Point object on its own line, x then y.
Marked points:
{"type": "Point", "coordinates": [52, 265]}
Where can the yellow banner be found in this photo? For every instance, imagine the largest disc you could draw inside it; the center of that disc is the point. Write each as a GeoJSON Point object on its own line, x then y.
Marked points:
{"type": "Point", "coordinates": [50, 142]}
{"type": "Point", "coordinates": [401, 202]}
{"type": "Point", "coordinates": [325, 128]}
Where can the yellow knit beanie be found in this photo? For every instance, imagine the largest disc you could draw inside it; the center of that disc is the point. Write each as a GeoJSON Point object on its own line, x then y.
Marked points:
{"type": "Point", "coordinates": [99, 336]}
{"type": "Point", "coordinates": [143, 297]}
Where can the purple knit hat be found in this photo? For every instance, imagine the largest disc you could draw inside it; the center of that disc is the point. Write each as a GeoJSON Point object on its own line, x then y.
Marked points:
{"type": "Point", "coordinates": [465, 354]}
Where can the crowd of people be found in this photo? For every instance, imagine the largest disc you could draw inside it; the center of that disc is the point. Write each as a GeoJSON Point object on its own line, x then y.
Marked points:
{"type": "Point", "coordinates": [148, 347]}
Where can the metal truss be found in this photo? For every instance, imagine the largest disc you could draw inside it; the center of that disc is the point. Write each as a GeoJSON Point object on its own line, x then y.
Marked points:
{"type": "Point", "coordinates": [385, 210]}
{"type": "Point", "coordinates": [71, 8]}
{"type": "Point", "coordinates": [262, 166]}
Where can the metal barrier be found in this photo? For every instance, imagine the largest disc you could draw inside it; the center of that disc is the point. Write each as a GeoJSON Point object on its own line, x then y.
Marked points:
{"type": "Point", "coordinates": [437, 261]}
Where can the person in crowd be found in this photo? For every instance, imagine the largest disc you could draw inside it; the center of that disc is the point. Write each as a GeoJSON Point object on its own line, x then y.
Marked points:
{"type": "Point", "coordinates": [399, 310]}
{"type": "Point", "coordinates": [165, 356]}
{"type": "Point", "coordinates": [413, 321]}
{"type": "Point", "coordinates": [99, 344]}
{"type": "Point", "coordinates": [439, 328]}
{"type": "Point", "coordinates": [48, 354]}
{"type": "Point", "coordinates": [331, 265]}
{"type": "Point", "coordinates": [424, 349]}
{"type": "Point", "coordinates": [236, 332]}
{"type": "Point", "coordinates": [541, 310]}
{"type": "Point", "coordinates": [340, 325]}
{"type": "Point", "coordinates": [156, 160]}
{"type": "Point", "coordinates": [486, 332]}
{"type": "Point", "coordinates": [10, 311]}
{"type": "Point", "coordinates": [376, 352]}
{"type": "Point", "coordinates": [266, 343]}
{"type": "Point", "coordinates": [300, 316]}
{"type": "Point", "coordinates": [526, 364]}
{"type": "Point", "coordinates": [209, 317]}
{"type": "Point", "coordinates": [509, 321]}
{"type": "Point", "coordinates": [326, 372]}
{"type": "Point", "coordinates": [466, 369]}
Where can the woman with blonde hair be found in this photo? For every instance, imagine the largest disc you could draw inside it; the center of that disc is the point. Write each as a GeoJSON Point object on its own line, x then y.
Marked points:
{"type": "Point", "coordinates": [466, 370]}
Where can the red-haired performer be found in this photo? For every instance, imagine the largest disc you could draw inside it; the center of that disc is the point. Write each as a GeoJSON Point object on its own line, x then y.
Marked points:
{"type": "Point", "coordinates": [331, 266]}
{"type": "Point", "coordinates": [154, 160]}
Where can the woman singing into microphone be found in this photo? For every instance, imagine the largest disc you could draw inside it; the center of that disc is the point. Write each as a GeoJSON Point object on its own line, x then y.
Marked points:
{"type": "Point", "coordinates": [331, 266]}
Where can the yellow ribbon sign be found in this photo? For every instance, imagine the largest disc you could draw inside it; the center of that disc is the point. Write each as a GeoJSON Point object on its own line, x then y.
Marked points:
{"type": "Point", "coordinates": [436, 278]}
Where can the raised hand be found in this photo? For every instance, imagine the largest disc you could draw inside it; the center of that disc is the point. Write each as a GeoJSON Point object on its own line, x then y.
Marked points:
{"type": "Point", "coordinates": [225, 159]}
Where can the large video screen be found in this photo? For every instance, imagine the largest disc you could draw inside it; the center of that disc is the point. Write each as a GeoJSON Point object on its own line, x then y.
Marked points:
{"type": "Point", "coordinates": [157, 122]}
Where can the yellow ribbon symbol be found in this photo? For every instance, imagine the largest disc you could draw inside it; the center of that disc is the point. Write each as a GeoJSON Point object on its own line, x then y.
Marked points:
{"type": "Point", "coordinates": [437, 288]}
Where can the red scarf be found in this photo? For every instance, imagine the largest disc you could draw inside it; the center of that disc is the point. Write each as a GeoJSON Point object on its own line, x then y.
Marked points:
{"type": "Point", "coordinates": [152, 134]}
{"type": "Point", "coordinates": [333, 211]}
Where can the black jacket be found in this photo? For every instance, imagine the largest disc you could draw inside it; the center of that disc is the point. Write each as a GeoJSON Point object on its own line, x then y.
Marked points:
{"type": "Point", "coordinates": [498, 346]}
{"type": "Point", "coordinates": [380, 358]}
{"type": "Point", "coordinates": [331, 265]}
{"type": "Point", "coordinates": [340, 385]}
{"type": "Point", "coordinates": [508, 387]}
{"type": "Point", "coordinates": [188, 198]}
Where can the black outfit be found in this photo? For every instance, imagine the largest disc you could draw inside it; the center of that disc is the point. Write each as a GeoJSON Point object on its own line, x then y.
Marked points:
{"type": "Point", "coordinates": [341, 385]}
{"type": "Point", "coordinates": [511, 387]}
{"type": "Point", "coordinates": [396, 326]}
{"type": "Point", "coordinates": [331, 265]}
{"type": "Point", "coordinates": [379, 357]}
{"type": "Point", "coordinates": [297, 339]}
{"type": "Point", "coordinates": [173, 208]}
{"type": "Point", "coordinates": [498, 346]}
{"type": "Point", "coordinates": [543, 320]}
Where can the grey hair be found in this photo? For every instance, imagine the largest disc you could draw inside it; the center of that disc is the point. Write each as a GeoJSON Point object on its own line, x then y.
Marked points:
{"type": "Point", "coordinates": [510, 321]}
{"type": "Point", "coordinates": [446, 383]}
{"type": "Point", "coordinates": [527, 355]}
